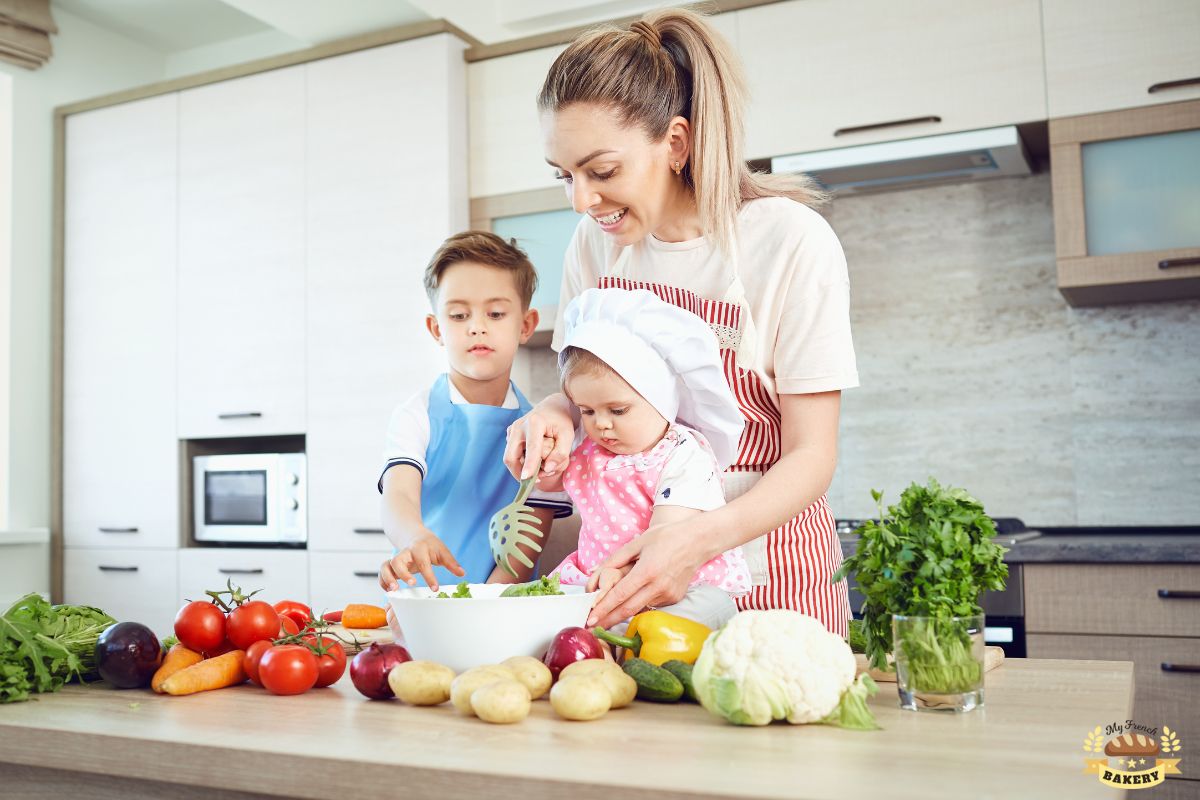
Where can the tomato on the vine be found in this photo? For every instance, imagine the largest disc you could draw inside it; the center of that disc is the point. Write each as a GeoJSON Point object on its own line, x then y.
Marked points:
{"type": "Point", "coordinates": [331, 664]}
{"type": "Point", "coordinates": [288, 669]}
{"type": "Point", "coordinates": [288, 625]}
{"type": "Point", "coordinates": [250, 622]}
{"type": "Point", "coordinates": [254, 658]}
{"type": "Point", "coordinates": [297, 611]}
{"type": "Point", "coordinates": [200, 626]}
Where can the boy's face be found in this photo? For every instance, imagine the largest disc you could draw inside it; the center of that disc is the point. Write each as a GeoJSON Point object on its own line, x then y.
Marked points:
{"type": "Point", "coordinates": [614, 415]}
{"type": "Point", "coordinates": [479, 320]}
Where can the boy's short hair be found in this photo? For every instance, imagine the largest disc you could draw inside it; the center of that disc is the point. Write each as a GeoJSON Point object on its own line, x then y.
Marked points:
{"type": "Point", "coordinates": [488, 249]}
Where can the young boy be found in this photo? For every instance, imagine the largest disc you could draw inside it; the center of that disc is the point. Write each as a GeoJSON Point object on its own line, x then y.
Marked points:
{"type": "Point", "coordinates": [445, 475]}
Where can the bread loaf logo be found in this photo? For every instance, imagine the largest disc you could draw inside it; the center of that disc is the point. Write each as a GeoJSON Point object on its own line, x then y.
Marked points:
{"type": "Point", "coordinates": [1133, 755]}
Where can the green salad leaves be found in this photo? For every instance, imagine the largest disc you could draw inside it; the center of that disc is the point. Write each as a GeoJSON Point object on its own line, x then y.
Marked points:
{"type": "Point", "coordinates": [545, 585]}
{"type": "Point", "coordinates": [932, 554]}
{"type": "Point", "coordinates": [44, 646]}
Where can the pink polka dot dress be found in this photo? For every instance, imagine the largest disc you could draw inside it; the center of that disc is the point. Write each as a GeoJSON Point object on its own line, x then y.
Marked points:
{"type": "Point", "coordinates": [614, 495]}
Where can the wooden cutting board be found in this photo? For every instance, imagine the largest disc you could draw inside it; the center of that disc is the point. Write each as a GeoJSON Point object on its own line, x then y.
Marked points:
{"type": "Point", "coordinates": [365, 636]}
{"type": "Point", "coordinates": [992, 658]}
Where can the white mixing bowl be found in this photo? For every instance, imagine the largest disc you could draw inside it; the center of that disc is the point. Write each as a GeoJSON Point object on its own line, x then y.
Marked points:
{"type": "Point", "coordinates": [486, 628]}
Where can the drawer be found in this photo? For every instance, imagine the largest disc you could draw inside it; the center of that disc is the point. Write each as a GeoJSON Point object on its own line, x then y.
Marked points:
{"type": "Point", "coordinates": [340, 578]}
{"type": "Point", "coordinates": [1112, 599]}
{"type": "Point", "coordinates": [131, 585]}
{"type": "Point", "coordinates": [279, 574]}
{"type": "Point", "coordinates": [1160, 697]}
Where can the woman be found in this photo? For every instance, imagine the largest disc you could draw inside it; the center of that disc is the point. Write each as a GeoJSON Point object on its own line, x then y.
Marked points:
{"type": "Point", "coordinates": [644, 127]}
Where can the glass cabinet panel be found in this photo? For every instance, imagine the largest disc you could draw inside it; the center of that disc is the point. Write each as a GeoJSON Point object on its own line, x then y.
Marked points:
{"type": "Point", "coordinates": [544, 236]}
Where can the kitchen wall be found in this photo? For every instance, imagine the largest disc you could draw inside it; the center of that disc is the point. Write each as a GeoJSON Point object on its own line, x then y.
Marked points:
{"type": "Point", "coordinates": [974, 370]}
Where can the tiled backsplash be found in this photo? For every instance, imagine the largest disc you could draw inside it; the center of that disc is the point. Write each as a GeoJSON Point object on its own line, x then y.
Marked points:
{"type": "Point", "coordinates": [975, 370]}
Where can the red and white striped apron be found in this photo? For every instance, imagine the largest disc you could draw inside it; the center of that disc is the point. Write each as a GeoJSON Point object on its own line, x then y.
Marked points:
{"type": "Point", "coordinates": [791, 566]}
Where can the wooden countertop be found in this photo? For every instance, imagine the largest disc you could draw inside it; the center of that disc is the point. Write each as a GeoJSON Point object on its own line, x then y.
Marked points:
{"type": "Point", "coordinates": [1026, 742]}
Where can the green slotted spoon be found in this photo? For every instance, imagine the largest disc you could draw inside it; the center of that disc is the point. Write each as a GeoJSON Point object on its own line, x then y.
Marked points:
{"type": "Point", "coordinates": [512, 526]}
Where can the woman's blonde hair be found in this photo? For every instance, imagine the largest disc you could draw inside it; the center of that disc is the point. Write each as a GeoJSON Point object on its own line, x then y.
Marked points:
{"type": "Point", "coordinates": [672, 63]}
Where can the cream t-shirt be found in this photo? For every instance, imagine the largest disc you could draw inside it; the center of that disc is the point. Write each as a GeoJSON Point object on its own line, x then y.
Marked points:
{"type": "Point", "coordinates": [794, 273]}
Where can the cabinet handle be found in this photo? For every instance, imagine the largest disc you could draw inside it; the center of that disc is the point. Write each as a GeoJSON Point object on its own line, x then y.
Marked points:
{"type": "Point", "coordinates": [878, 125]}
{"type": "Point", "coordinates": [240, 571]}
{"type": "Point", "coordinates": [107, 568]}
{"type": "Point", "coordinates": [359, 573]}
{"type": "Point", "coordinates": [369, 531]}
{"type": "Point", "coordinates": [1178, 594]}
{"type": "Point", "coordinates": [240, 415]}
{"type": "Point", "coordinates": [1179, 84]}
{"type": "Point", "coordinates": [1169, 667]}
{"type": "Point", "coordinates": [118, 530]}
{"type": "Point", "coordinates": [1179, 262]}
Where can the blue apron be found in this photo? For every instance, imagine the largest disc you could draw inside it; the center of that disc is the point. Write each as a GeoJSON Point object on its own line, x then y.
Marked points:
{"type": "Point", "coordinates": [466, 481]}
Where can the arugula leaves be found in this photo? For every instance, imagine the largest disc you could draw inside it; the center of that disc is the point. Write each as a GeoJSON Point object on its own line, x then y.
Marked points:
{"type": "Point", "coordinates": [932, 554]}
{"type": "Point", "coordinates": [43, 646]}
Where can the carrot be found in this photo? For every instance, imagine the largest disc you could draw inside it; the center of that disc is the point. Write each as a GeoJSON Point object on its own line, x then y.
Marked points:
{"type": "Point", "coordinates": [211, 673]}
{"type": "Point", "coordinates": [178, 658]}
{"type": "Point", "coordinates": [362, 615]}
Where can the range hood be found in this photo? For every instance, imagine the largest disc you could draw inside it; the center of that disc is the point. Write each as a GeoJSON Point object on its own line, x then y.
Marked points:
{"type": "Point", "coordinates": [946, 158]}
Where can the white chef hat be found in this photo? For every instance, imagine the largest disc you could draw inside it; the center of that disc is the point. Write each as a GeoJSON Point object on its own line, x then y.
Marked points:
{"type": "Point", "coordinates": [667, 354]}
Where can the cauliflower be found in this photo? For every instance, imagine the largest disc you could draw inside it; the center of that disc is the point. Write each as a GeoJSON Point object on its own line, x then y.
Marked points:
{"type": "Point", "coordinates": [768, 665]}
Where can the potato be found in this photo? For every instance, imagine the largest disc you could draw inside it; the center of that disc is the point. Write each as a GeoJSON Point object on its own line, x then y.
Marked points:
{"type": "Point", "coordinates": [472, 679]}
{"type": "Point", "coordinates": [421, 683]}
{"type": "Point", "coordinates": [582, 697]}
{"type": "Point", "coordinates": [621, 687]}
{"type": "Point", "coordinates": [501, 702]}
{"type": "Point", "coordinates": [531, 672]}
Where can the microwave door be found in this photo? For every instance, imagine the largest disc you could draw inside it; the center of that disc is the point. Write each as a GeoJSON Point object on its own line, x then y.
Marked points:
{"type": "Point", "coordinates": [237, 504]}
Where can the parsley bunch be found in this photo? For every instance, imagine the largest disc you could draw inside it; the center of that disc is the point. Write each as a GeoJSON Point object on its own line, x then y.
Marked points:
{"type": "Point", "coordinates": [933, 554]}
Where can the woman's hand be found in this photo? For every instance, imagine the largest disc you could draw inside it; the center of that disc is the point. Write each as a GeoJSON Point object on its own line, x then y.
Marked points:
{"type": "Point", "coordinates": [419, 557]}
{"type": "Point", "coordinates": [550, 420]}
{"type": "Point", "coordinates": [664, 560]}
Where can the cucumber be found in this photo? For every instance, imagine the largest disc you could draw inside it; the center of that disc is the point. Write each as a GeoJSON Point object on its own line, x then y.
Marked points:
{"type": "Point", "coordinates": [653, 683]}
{"type": "Point", "coordinates": [683, 671]}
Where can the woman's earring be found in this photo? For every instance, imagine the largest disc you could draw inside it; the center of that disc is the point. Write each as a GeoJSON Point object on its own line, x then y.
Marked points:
{"type": "Point", "coordinates": [677, 167]}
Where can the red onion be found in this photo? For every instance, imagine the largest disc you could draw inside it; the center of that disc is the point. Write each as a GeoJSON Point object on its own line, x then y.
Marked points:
{"type": "Point", "coordinates": [571, 645]}
{"type": "Point", "coordinates": [369, 669]}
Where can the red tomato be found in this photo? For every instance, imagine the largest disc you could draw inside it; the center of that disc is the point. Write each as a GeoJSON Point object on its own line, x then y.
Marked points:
{"type": "Point", "coordinates": [200, 626]}
{"type": "Point", "coordinates": [288, 625]}
{"type": "Point", "coordinates": [224, 647]}
{"type": "Point", "coordinates": [251, 622]}
{"type": "Point", "coordinates": [254, 659]}
{"type": "Point", "coordinates": [288, 669]}
{"type": "Point", "coordinates": [297, 611]}
{"type": "Point", "coordinates": [332, 663]}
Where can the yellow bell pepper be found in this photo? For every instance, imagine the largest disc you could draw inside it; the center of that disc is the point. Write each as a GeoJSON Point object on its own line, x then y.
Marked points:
{"type": "Point", "coordinates": [657, 637]}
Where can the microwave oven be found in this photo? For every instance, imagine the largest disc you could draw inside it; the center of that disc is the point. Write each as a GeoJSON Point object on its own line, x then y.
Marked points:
{"type": "Point", "coordinates": [253, 497]}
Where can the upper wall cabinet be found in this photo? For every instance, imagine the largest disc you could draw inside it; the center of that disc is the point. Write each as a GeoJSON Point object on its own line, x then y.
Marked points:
{"type": "Point", "coordinates": [120, 458]}
{"type": "Point", "coordinates": [1103, 55]}
{"type": "Point", "coordinates": [826, 73]}
{"type": "Point", "coordinates": [241, 256]}
{"type": "Point", "coordinates": [382, 193]}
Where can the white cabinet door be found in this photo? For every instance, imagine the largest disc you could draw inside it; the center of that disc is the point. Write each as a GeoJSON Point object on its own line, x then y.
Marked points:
{"type": "Point", "coordinates": [1106, 55]}
{"type": "Point", "coordinates": [120, 451]}
{"type": "Point", "coordinates": [506, 137]}
{"type": "Point", "coordinates": [386, 185]}
{"type": "Point", "coordinates": [336, 579]}
{"type": "Point", "coordinates": [817, 67]}
{"type": "Point", "coordinates": [130, 585]}
{"type": "Point", "coordinates": [241, 256]}
{"type": "Point", "coordinates": [279, 574]}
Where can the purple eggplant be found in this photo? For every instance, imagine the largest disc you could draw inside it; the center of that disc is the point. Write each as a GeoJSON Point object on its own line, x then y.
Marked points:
{"type": "Point", "coordinates": [570, 645]}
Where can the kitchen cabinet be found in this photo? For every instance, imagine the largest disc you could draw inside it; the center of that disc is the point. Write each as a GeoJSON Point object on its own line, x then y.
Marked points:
{"type": "Point", "coordinates": [336, 579]}
{"type": "Point", "coordinates": [1126, 188]}
{"type": "Point", "coordinates": [120, 455]}
{"type": "Point", "coordinates": [279, 574]}
{"type": "Point", "coordinates": [383, 193]}
{"type": "Point", "coordinates": [1145, 613]}
{"type": "Point", "coordinates": [825, 73]}
{"type": "Point", "coordinates": [1103, 55]}
{"type": "Point", "coordinates": [131, 585]}
{"type": "Point", "coordinates": [241, 256]}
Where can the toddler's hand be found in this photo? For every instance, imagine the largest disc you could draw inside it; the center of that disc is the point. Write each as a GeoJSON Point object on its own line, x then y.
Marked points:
{"type": "Point", "coordinates": [420, 557]}
{"type": "Point", "coordinates": [602, 580]}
